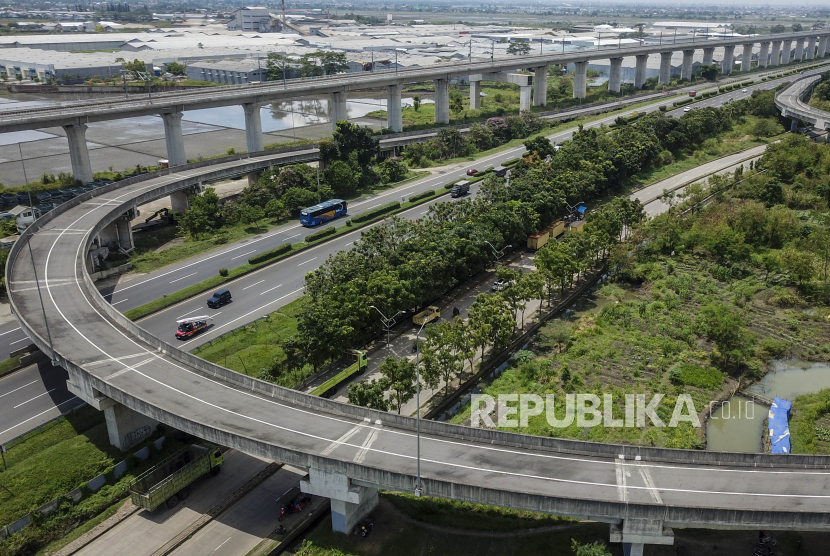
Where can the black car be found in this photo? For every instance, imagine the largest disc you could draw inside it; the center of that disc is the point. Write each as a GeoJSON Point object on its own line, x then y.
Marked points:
{"type": "Point", "coordinates": [219, 298]}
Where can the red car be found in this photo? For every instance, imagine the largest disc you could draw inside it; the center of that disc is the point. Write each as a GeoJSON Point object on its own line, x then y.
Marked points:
{"type": "Point", "coordinates": [188, 328]}
{"type": "Point", "coordinates": [472, 172]}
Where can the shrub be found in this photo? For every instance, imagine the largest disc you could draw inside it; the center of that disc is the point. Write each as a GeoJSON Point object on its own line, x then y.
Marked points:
{"type": "Point", "coordinates": [268, 255]}
{"type": "Point", "coordinates": [223, 272]}
{"type": "Point", "coordinates": [420, 196]}
{"type": "Point", "coordinates": [368, 215]}
{"type": "Point", "coordinates": [319, 234]}
{"type": "Point", "coordinates": [701, 377]}
{"type": "Point", "coordinates": [770, 348]}
{"type": "Point", "coordinates": [662, 109]}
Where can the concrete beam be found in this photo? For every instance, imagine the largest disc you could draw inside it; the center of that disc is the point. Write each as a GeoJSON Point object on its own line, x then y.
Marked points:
{"type": "Point", "coordinates": [811, 48]}
{"type": "Point", "coordinates": [786, 52]}
{"type": "Point", "coordinates": [640, 71]}
{"type": "Point", "coordinates": [174, 138]}
{"type": "Point", "coordinates": [442, 101]}
{"type": "Point", "coordinates": [708, 55]}
{"type": "Point", "coordinates": [540, 86]}
{"type": "Point", "coordinates": [763, 55]}
{"type": "Point", "coordinates": [394, 112]}
{"type": "Point", "coordinates": [728, 60]}
{"type": "Point", "coordinates": [338, 109]}
{"type": "Point", "coordinates": [580, 79]}
{"type": "Point", "coordinates": [78, 152]}
{"type": "Point", "coordinates": [349, 503]}
{"type": "Point", "coordinates": [688, 65]}
{"type": "Point", "coordinates": [799, 50]}
{"type": "Point", "coordinates": [665, 68]}
{"type": "Point", "coordinates": [615, 80]}
{"type": "Point", "coordinates": [253, 128]}
{"type": "Point", "coordinates": [475, 95]}
{"type": "Point", "coordinates": [776, 54]}
{"type": "Point", "coordinates": [746, 57]}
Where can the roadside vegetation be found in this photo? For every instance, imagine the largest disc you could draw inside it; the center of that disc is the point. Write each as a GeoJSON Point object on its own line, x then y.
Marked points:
{"type": "Point", "coordinates": [50, 462]}
{"type": "Point", "coordinates": [699, 299]}
{"type": "Point", "coordinates": [821, 93]}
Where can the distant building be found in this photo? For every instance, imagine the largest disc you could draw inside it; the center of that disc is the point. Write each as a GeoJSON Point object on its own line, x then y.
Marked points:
{"type": "Point", "coordinates": [251, 19]}
{"type": "Point", "coordinates": [234, 72]}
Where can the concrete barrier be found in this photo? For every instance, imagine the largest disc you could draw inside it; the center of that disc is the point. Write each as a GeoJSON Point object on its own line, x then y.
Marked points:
{"type": "Point", "coordinates": [95, 484]}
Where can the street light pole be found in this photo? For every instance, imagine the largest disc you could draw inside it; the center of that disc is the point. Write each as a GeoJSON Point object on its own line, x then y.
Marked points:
{"type": "Point", "coordinates": [388, 323]}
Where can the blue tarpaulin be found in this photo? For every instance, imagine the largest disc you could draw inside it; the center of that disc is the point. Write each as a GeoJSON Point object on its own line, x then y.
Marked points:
{"type": "Point", "coordinates": [779, 426]}
{"type": "Point", "coordinates": [580, 210]}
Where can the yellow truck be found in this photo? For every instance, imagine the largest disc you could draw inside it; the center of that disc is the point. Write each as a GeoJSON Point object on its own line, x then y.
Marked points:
{"type": "Point", "coordinates": [557, 228]}
{"type": "Point", "coordinates": [429, 314]}
{"type": "Point", "coordinates": [537, 241]}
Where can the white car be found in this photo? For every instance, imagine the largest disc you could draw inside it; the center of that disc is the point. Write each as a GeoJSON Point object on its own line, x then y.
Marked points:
{"type": "Point", "coordinates": [500, 285]}
{"type": "Point", "coordinates": [743, 90]}
{"type": "Point", "coordinates": [687, 109]}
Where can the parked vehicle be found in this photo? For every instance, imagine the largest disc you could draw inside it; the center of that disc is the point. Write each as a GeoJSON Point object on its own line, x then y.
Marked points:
{"type": "Point", "coordinates": [472, 172]}
{"type": "Point", "coordinates": [219, 298]}
{"type": "Point", "coordinates": [364, 528]}
{"type": "Point", "coordinates": [460, 189]}
{"type": "Point", "coordinates": [170, 481]}
{"type": "Point", "coordinates": [429, 314]}
{"type": "Point", "coordinates": [500, 285]}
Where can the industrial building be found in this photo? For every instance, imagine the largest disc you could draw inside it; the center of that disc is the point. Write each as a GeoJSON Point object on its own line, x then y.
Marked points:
{"type": "Point", "coordinates": [234, 72]}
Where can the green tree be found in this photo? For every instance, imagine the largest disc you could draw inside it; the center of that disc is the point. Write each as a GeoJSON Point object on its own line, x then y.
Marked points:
{"type": "Point", "coordinates": [134, 66]}
{"type": "Point", "coordinates": [765, 128]}
{"type": "Point", "coordinates": [352, 144]}
{"type": "Point", "coordinates": [368, 394]}
{"type": "Point", "coordinates": [556, 333]}
{"type": "Point", "coordinates": [797, 28]}
{"type": "Point", "coordinates": [343, 180]}
{"type": "Point", "coordinates": [441, 361]}
{"type": "Point", "coordinates": [592, 549]}
{"type": "Point", "coordinates": [399, 380]}
{"type": "Point", "coordinates": [519, 48]}
{"type": "Point", "coordinates": [333, 62]}
{"type": "Point", "coordinates": [541, 146]}
{"type": "Point", "coordinates": [176, 68]}
{"type": "Point", "coordinates": [490, 311]}
{"type": "Point", "coordinates": [203, 216]}
{"type": "Point", "coordinates": [296, 199]}
{"type": "Point", "coordinates": [391, 170]}
{"type": "Point", "coordinates": [727, 329]}
{"type": "Point", "coordinates": [451, 142]}
{"type": "Point", "coordinates": [481, 136]}
{"type": "Point", "coordinates": [820, 243]}
{"type": "Point", "coordinates": [416, 103]}
{"type": "Point", "coordinates": [276, 65]}
{"type": "Point", "coordinates": [799, 264]}
{"type": "Point", "coordinates": [457, 105]}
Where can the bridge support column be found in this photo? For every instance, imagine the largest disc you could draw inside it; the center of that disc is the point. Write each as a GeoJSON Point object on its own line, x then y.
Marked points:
{"type": "Point", "coordinates": [793, 124]}
{"type": "Point", "coordinates": [118, 234]}
{"type": "Point", "coordinates": [442, 101]}
{"type": "Point", "coordinates": [253, 128]}
{"type": "Point", "coordinates": [688, 65]}
{"type": "Point", "coordinates": [665, 67]}
{"type": "Point", "coordinates": [580, 79]}
{"type": "Point", "coordinates": [708, 55]}
{"type": "Point", "coordinates": [540, 86]}
{"type": "Point", "coordinates": [349, 503]}
{"type": "Point", "coordinates": [179, 202]}
{"type": "Point", "coordinates": [640, 71]}
{"type": "Point", "coordinates": [763, 55]}
{"type": "Point", "coordinates": [525, 97]}
{"type": "Point", "coordinates": [746, 57]}
{"type": "Point", "coordinates": [811, 48]}
{"type": "Point", "coordinates": [475, 95]}
{"type": "Point", "coordinates": [394, 113]}
{"type": "Point", "coordinates": [338, 110]}
{"type": "Point", "coordinates": [636, 533]}
{"type": "Point", "coordinates": [78, 152]}
{"type": "Point", "coordinates": [799, 50]}
{"type": "Point", "coordinates": [728, 60]}
{"type": "Point", "coordinates": [615, 79]}
{"type": "Point", "coordinates": [776, 54]}
{"type": "Point", "coordinates": [174, 138]}
{"type": "Point", "coordinates": [786, 52]}
{"type": "Point", "coordinates": [822, 47]}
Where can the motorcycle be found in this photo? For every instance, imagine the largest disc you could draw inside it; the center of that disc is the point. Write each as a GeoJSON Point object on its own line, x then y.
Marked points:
{"type": "Point", "coordinates": [364, 530]}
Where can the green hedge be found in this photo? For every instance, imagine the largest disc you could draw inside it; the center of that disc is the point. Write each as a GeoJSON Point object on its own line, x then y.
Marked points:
{"type": "Point", "coordinates": [684, 101]}
{"type": "Point", "coordinates": [420, 196]}
{"type": "Point", "coordinates": [268, 255]}
{"type": "Point", "coordinates": [511, 162]}
{"type": "Point", "coordinates": [325, 232]}
{"type": "Point", "coordinates": [368, 215]}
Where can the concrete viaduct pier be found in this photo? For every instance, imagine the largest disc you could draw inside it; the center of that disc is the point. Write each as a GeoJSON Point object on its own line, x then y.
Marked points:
{"type": "Point", "coordinates": [74, 117]}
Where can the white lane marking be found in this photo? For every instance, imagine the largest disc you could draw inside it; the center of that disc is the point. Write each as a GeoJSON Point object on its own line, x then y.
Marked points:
{"type": "Point", "coordinates": [193, 311]}
{"type": "Point", "coordinates": [649, 481]}
{"type": "Point", "coordinates": [367, 444]}
{"type": "Point", "coordinates": [376, 206]}
{"type": "Point", "coordinates": [242, 317]}
{"type": "Point", "coordinates": [308, 261]}
{"type": "Point", "coordinates": [292, 237]}
{"type": "Point", "coordinates": [345, 436]}
{"type": "Point", "coordinates": [18, 290]}
{"type": "Point", "coordinates": [251, 286]}
{"type": "Point", "coordinates": [183, 277]}
{"type": "Point", "coordinates": [339, 420]}
{"type": "Point", "coordinates": [221, 545]}
{"type": "Point", "coordinates": [10, 331]}
{"type": "Point", "coordinates": [18, 388]}
{"type": "Point", "coordinates": [18, 341]}
{"type": "Point", "coordinates": [619, 468]}
{"type": "Point", "coordinates": [33, 399]}
{"type": "Point", "coordinates": [103, 361]}
{"type": "Point", "coordinates": [38, 415]}
{"type": "Point", "coordinates": [242, 255]}
{"type": "Point", "coordinates": [350, 243]}
{"type": "Point", "coordinates": [117, 302]}
{"type": "Point", "coordinates": [272, 289]}
{"type": "Point", "coordinates": [124, 371]}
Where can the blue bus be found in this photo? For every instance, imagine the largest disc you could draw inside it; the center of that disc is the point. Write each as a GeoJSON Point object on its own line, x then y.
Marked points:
{"type": "Point", "coordinates": [329, 210]}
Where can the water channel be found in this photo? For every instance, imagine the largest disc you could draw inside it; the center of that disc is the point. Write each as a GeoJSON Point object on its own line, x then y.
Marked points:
{"type": "Point", "coordinates": [737, 426]}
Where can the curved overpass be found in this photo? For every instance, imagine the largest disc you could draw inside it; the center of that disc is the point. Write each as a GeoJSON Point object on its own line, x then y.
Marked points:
{"type": "Point", "coordinates": [351, 450]}
{"type": "Point", "coordinates": [790, 102]}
